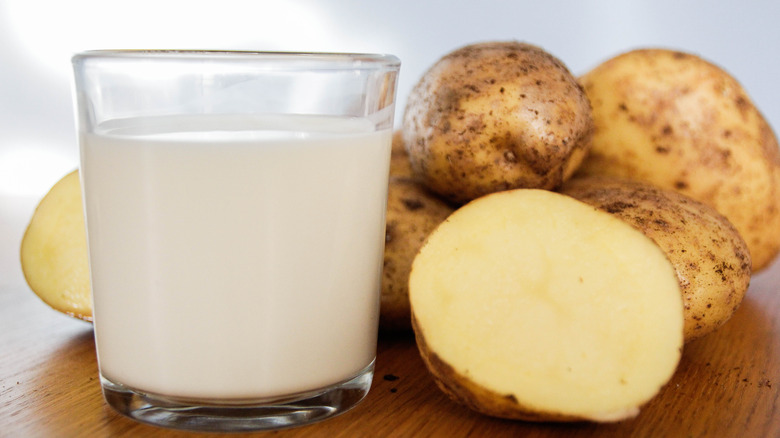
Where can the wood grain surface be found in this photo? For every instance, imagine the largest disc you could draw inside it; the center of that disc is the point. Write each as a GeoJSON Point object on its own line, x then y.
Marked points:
{"type": "Point", "coordinates": [727, 385]}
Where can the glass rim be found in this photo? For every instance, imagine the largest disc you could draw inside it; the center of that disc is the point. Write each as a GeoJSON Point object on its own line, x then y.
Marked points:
{"type": "Point", "coordinates": [290, 58]}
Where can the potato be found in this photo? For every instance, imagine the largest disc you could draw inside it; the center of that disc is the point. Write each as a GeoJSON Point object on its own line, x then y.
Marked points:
{"type": "Point", "coordinates": [495, 116]}
{"type": "Point", "coordinates": [528, 304]}
{"type": "Point", "coordinates": [54, 250]}
{"type": "Point", "coordinates": [682, 123]}
{"type": "Point", "coordinates": [400, 166]}
{"type": "Point", "coordinates": [412, 213]}
{"type": "Point", "coordinates": [710, 257]}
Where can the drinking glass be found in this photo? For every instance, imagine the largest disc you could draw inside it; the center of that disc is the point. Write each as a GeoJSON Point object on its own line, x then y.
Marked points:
{"type": "Point", "coordinates": [235, 213]}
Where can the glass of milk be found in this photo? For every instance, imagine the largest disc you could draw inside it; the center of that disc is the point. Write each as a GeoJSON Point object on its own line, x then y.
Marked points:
{"type": "Point", "coordinates": [235, 210]}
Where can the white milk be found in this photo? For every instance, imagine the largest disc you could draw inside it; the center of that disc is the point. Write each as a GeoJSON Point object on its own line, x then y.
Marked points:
{"type": "Point", "coordinates": [235, 263]}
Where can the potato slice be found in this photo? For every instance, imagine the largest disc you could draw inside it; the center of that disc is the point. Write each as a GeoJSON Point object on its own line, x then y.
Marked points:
{"type": "Point", "coordinates": [711, 258]}
{"type": "Point", "coordinates": [529, 304]}
{"type": "Point", "coordinates": [54, 250]}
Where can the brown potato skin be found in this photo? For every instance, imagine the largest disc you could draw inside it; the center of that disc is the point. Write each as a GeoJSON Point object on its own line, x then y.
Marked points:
{"type": "Point", "coordinates": [400, 166]}
{"type": "Point", "coordinates": [680, 122]}
{"type": "Point", "coordinates": [475, 397]}
{"type": "Point", "coordinates": [496, 116]}
{"type": "Point", "coordinates": [412, 214]}
{"type": "Point", "coordinates": [710, 257]}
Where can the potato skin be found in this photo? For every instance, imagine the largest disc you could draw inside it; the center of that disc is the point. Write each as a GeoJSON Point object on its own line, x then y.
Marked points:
{"type": "Point", "coordinates": [496, 116]}
{"type": "Point", "coordinates": [400, 166]}
{"type": "Point", "coordinates": [710, 257]}
{"type": "Point", "coordinates": [682, 123]}
{"type": "Point", "coordinates": [412, 214]}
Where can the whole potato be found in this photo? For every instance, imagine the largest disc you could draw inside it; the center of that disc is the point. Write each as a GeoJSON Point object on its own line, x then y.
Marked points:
{"type": "Point", "coordinates": [400, 166]}
{"type": "Point", "coordinates": [495, 116]}
{"type": "Point", "coordinates": [682, 123]}
{"type": "Point", "coordinates": [710, 258]}
{"type": "Point", "coordinates": [412, 213]}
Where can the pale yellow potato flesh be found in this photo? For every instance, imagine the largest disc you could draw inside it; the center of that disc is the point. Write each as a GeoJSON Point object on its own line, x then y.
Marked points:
{"type": "Point", "coordinates": [54, 250]}
{"type": "Point", "coordinates": [531, 305]}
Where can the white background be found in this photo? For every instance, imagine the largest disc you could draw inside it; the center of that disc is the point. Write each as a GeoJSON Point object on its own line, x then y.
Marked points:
{"type": "Point", "coordinates": [37, 39]}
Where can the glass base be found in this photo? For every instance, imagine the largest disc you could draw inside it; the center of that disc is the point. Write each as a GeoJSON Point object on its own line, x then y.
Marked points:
{"type": "Point", "coordinates": [242, 416]}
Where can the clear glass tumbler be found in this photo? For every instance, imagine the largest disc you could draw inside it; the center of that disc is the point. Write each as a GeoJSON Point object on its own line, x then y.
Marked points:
{"type": "Point", "coordinates": [235, 210]}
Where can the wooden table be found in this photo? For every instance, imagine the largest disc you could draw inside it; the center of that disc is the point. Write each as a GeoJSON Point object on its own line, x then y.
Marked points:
{"type": "Point", "coordinates": [727, 385]}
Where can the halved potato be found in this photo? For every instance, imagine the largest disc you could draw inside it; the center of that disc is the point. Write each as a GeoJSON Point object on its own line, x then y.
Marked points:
{"type": "Point", "coordinates": [528, 304]}
{"type": "Point", "coordinates": [711, 258]}
{"type": "Point", "coordinates": [54, 250]}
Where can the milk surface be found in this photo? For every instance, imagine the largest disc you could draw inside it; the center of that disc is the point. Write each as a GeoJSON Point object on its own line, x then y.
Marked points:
{"type": "Point", "coordinates": [235, 257]}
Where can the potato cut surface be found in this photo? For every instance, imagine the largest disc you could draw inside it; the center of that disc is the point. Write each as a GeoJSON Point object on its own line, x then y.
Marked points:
{"type": "Point", "coordinates": [550, 306]}
{"type": "Point", "coordinates": [54, 250]}
{"type": "Point", "coordinates": [711, 259]}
